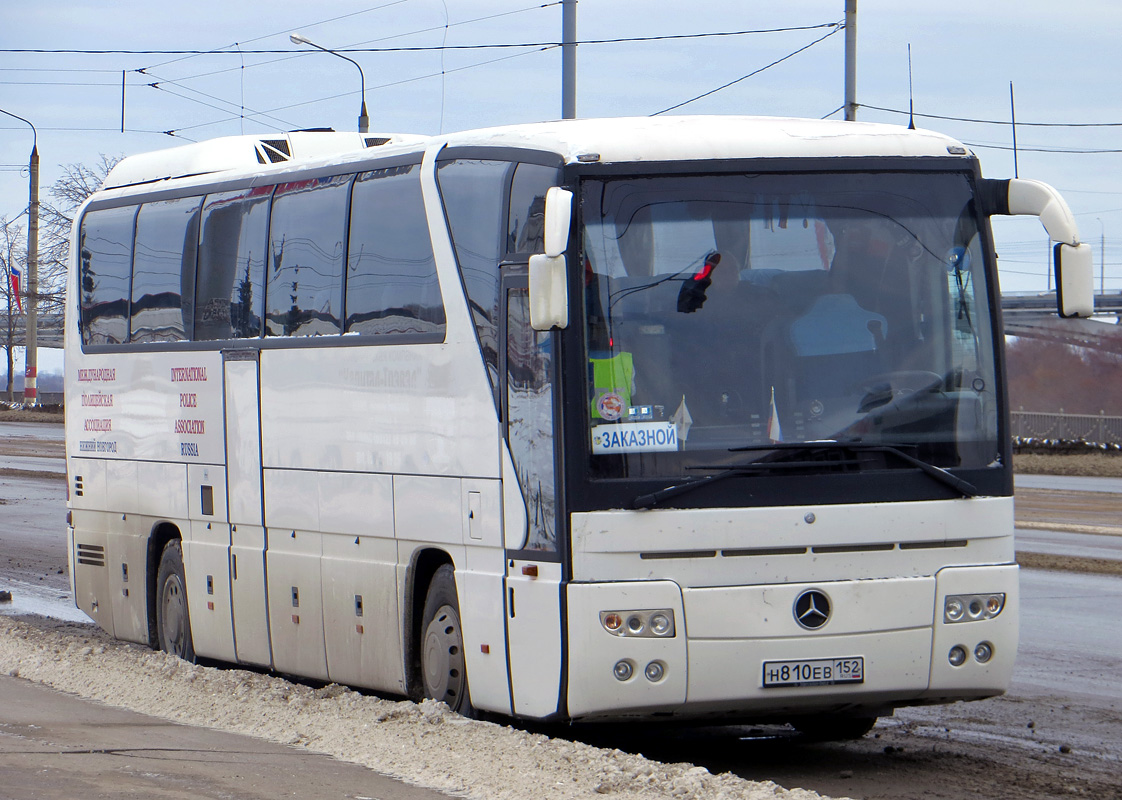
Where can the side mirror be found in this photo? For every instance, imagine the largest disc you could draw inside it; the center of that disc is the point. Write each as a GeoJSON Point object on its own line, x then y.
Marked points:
{"type": "Point", "coordinates": [558, 216]}
{"type": "Point", "coordinates": [549, 293]}
{"type": "Point", "coordinates": [1075, 293]}
{"type": "Point", "coordinates": [548, 282]}
{"type": "Point", "coordinates": [1075, 288]}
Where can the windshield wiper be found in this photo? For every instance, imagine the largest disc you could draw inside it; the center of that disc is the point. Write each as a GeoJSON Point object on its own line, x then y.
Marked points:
{"type": "Point", "coordinates": [648, 500]}
{"type": "Point", "coordinates": [965, 488]}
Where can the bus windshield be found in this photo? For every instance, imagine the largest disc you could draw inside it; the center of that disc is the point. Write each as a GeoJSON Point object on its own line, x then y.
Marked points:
{"type": "Point", "coordinates": [735, 311]}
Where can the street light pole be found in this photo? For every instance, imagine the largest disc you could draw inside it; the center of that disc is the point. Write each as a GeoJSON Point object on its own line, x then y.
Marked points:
{"type": "Point", "coordinates": [31, 369]}
{"type": "Point", "coordinates": [363, 119]}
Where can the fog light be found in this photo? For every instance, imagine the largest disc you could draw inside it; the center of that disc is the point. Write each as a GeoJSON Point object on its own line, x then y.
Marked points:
{"type": "Point", "coordinates": [635, 624]}
{"type": "Point", "coordinates": [655, 671]}
{"type": "Point", "coordinates": [957, 656]}
{"type": "Point", "coordinates": [972, 607]}
{"type": "Point", "coordinates": [983, 652]}
{"type": "Point", "coordinates": [623, 670]}
{"type": "Point", "coordinates": [612, 621]}
{"type": "Point", "coordinates": [660, 624]}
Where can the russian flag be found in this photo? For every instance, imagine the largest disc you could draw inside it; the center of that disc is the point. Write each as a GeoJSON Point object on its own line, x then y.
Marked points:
{"type": "Point", "coordinates": [16, 275]}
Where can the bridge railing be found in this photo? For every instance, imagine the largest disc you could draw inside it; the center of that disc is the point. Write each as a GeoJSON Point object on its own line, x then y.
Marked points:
{"type": "Point", "coordinates": [1058, 425]}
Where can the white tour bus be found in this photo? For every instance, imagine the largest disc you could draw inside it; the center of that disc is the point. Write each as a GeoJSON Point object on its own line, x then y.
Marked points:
{"type": "Point", "coordinates": [699, 418]}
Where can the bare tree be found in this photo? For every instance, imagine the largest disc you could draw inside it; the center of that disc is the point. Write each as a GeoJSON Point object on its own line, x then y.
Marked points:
{"type": "Point", "coordinates": [78, 181]}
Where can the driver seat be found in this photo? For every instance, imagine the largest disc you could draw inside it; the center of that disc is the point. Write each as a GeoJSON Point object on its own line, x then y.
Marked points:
{"type": "Point", "coordinates": [833, 346]}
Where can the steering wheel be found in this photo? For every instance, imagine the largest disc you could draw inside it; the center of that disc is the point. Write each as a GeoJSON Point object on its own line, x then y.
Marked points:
{"type": "Point", "coordinates": [887, 387]}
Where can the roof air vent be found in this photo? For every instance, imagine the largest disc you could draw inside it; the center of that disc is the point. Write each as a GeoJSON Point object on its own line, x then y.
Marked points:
{"type": "Point", "coordinates": [271, 151]}
{"type": "Point", "coordinates": [376, 141]}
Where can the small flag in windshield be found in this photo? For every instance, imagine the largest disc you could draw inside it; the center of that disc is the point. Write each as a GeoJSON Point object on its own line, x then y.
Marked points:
{"type": "Point", "coordinates": [774, 433]}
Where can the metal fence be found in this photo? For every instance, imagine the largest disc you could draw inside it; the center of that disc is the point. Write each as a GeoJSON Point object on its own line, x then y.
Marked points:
{"type": "Point", "coordinates": [1086, 427]}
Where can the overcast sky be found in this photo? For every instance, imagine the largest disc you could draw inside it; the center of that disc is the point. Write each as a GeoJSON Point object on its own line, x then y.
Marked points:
{"type": "Point", "coordinates": [1063, 58]}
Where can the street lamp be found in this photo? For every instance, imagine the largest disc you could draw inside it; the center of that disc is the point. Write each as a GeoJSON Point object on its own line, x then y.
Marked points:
{"type": "Point", "coordinates": [363, 119]}
{"type": "Point", "coordinates": [31, 370]}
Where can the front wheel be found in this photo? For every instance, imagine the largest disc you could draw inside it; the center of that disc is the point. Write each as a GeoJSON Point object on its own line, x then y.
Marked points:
{"type": "Point", "coordinates": [173, 621]}
{"type": "Point", "coordinates": [443, 671]}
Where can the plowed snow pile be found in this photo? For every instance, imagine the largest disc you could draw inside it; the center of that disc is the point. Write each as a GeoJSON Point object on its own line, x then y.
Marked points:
{"type": "Point", "coordinates": [423, 744]}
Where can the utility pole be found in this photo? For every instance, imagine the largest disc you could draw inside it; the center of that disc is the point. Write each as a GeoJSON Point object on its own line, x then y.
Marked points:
{"type": "Point", "coordinates": [850, 60]}
{"type": "Point", "coordinates": [568, 59]}
{"type": "Point", "coordinates": [31, 369]}
{"type": "Point", "coordinates": [31, 372]}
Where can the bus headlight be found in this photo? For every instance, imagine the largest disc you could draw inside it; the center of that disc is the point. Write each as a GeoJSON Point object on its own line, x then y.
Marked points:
{"type": "Point", "coordinates": [657, 623]}
{"type": "Point", "coordinates": [972, 607]}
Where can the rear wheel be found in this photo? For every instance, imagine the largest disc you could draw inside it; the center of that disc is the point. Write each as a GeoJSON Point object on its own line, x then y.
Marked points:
{"type": "Point", "coordinates": [173, 620]}
{"type": "Point", "coordinates": [443, 671]}
{"type": "Point", "coordinates": [833, 727]}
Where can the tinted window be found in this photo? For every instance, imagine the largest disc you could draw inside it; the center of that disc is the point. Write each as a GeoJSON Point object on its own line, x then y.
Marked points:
{"type": "Point", "coordinates": [232, 265]}
{"type": "Point", "coordinates": [163, 270]}
{"type": "Point", "coordinates": [525, 223]}
{"type": "Point", "coordinates": [391, 273]}
{"type": "Point", "coordinates": [474, 194]}
{"type": "Point", "coordinates": [305, 290]}
{"type": "Point", "coordinates": [530, 420]}
{"type": "Point", "coordinates": [105, 243]}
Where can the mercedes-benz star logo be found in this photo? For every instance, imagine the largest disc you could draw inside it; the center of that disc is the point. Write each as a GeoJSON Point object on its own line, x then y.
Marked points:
{"type": "Point", "coordinates": [812, 609]}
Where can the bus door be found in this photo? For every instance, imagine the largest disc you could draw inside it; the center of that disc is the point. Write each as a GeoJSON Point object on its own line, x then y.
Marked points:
{"type": "Point", "coordinates": [248, 539]}
{"type": "Point", "coordinates": [533, 577]}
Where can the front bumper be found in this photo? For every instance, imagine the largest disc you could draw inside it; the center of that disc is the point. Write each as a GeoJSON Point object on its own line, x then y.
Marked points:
{"type": "Point", "coordinates": [713, 666]}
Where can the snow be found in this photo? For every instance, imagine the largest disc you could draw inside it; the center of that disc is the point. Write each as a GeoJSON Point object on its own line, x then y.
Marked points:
{"type": "Point", "coordinates": [424, 744]}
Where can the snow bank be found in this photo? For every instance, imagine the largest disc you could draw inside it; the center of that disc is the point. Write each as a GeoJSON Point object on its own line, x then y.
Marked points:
{"type": "Point", "coordinates": [424, 744]}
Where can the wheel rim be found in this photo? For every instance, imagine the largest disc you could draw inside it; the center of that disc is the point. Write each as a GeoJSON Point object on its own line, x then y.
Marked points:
{"type": "Point", "coordinates": [174, 602]}
{"type": "Point", "coordinates": [443, 658]}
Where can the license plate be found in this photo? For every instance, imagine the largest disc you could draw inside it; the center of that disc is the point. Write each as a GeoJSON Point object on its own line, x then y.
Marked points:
{"type": "Point", "coordinates": [814, 672]}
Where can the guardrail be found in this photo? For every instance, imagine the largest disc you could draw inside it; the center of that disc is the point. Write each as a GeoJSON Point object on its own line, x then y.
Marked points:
{"type": "Point", "coordinates": [1070, 427]}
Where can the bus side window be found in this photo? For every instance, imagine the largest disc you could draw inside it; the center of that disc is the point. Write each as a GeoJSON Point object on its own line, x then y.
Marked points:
{"type": "Point", "coordinates": [473, 192]}
{"type": "Point", "coordinates": [391, 273]}
{"type": "Point", "coordinates": [105, 244]}
{"type": "Point", "coordinates": [304, 294]}
{"type": "Point", "coordinates": [163, 270]}
{"type": "Point", "coordinates": [231, 273]}
{"type": "Point", "coordinates": [525, 223]}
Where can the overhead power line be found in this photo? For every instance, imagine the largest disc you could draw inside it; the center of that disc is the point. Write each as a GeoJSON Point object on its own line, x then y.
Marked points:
{"type": "Point", "coordinates": [837, 26]}
{"type": "Point", "coordinates": [495, 45]}
{"type": "Point", "coordinates": [1003, 122]}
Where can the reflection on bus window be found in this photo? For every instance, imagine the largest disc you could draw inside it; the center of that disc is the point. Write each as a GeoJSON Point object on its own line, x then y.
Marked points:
{"type": "Point", "coordinates": [304, 294]}
{"type": "Point", "coordinates": [105, 266]}
{"type": "Point", "coordinates": [391, 272]}
{"type": "Point", "coordinates": [230, 285]}
{"type": "Point", "coordinates": [530, 419]}
{"type": "Point", "coordinates": [163, 270]}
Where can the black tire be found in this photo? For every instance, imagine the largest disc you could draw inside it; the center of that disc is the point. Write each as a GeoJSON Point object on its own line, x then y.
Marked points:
{"type": "Point", "coordinates": [173, 620]}
{"type": "Point", "coordinates": [833, 727]}
{"type": "Point", "coordinates": [443, 670]}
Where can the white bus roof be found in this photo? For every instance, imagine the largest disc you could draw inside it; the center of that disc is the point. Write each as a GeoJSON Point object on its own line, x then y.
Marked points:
{"type": "Point", "coordinates": [609, 140]}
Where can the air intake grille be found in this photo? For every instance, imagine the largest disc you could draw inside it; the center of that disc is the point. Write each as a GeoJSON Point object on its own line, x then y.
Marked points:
{"type": "Point", "coordinates": [271, 151]}
{"type": "Point", "coordinates": [91, 554]}
{"type": "Point", "coordinates": [376, 141]}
